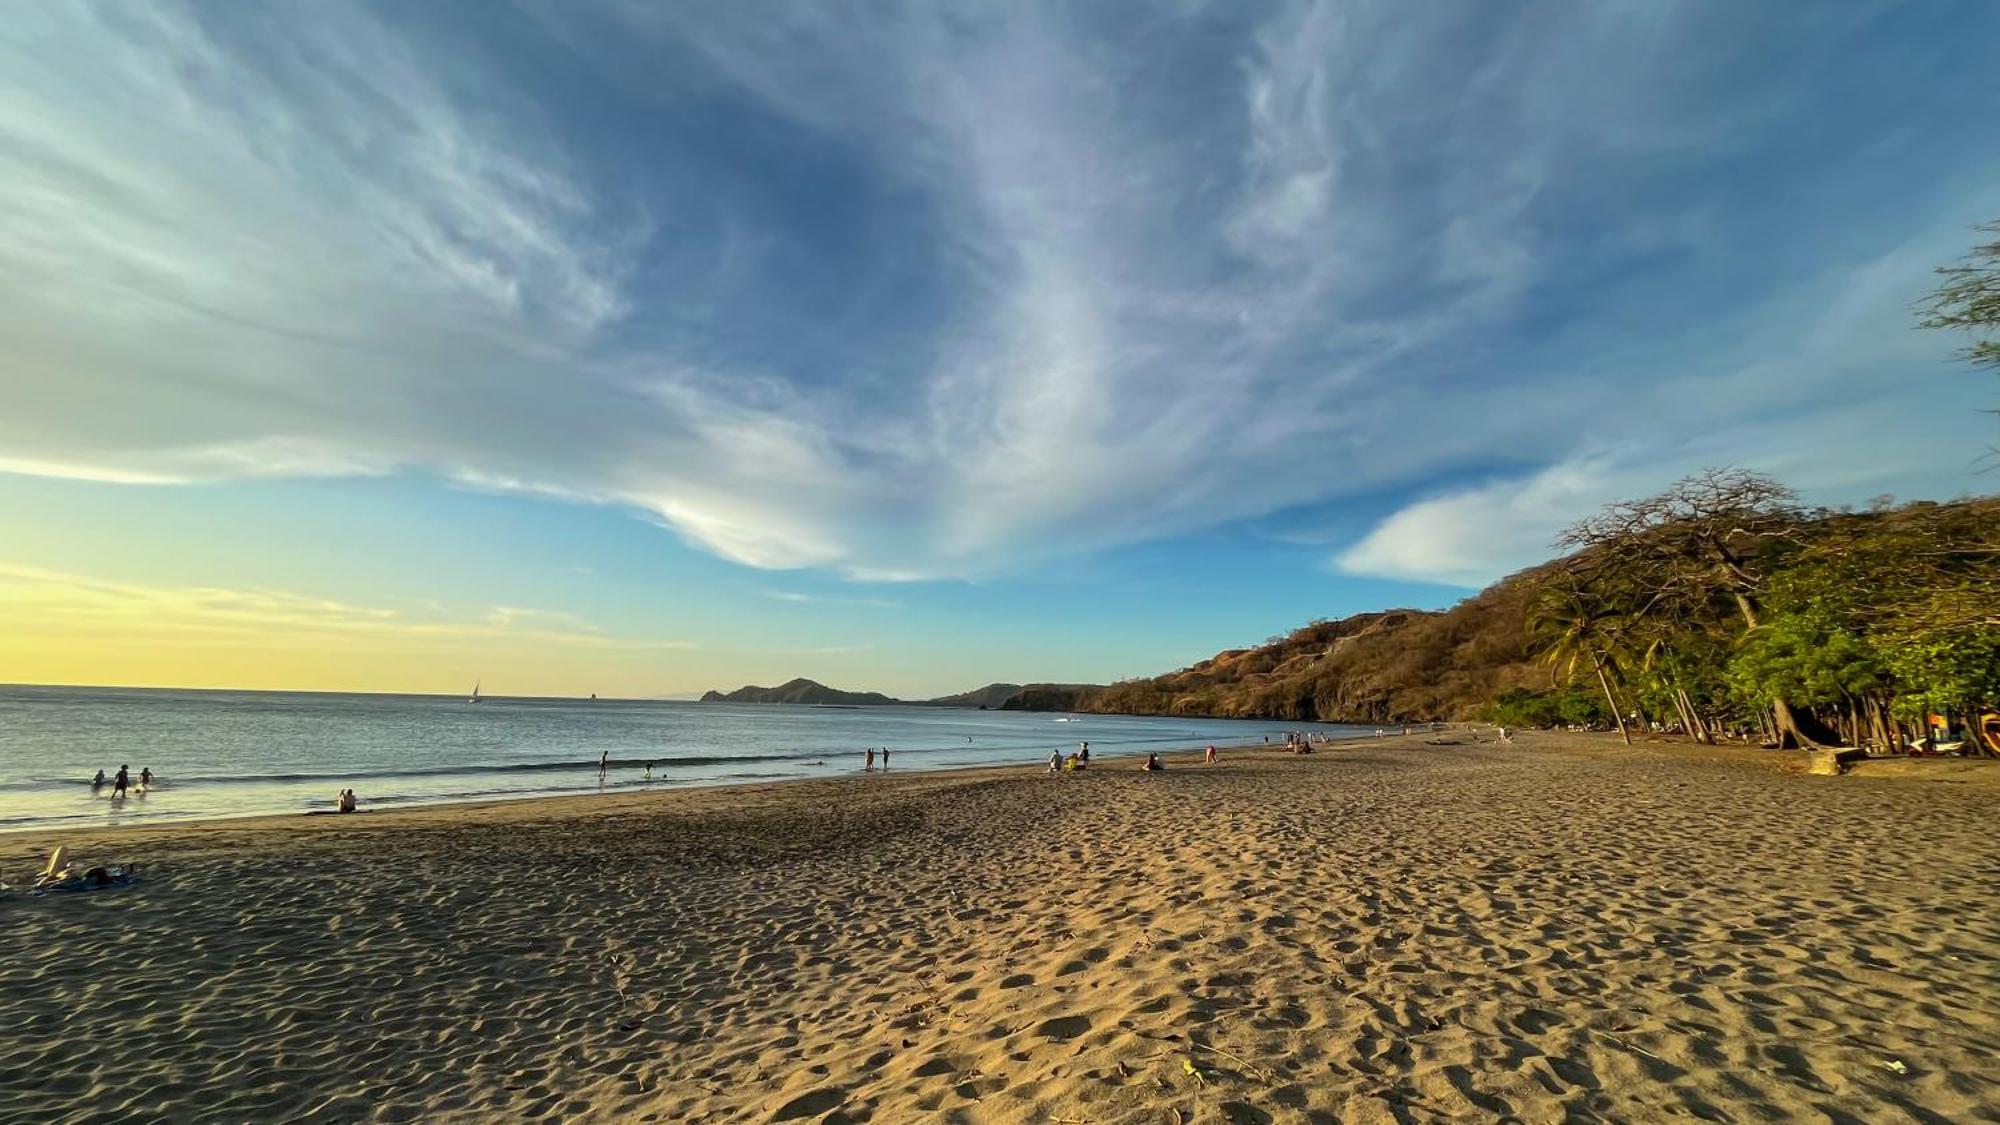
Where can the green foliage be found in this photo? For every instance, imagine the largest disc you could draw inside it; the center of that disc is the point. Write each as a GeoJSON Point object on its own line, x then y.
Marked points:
{"type": "Point", "coordinates": [1522, 707]}
{"type": "Point", "coordinates": [1582, 708]}
{"type": "Point", "coordinates": [1808, 659]}
{"type": "Point", "coordinates": [1947, 673]}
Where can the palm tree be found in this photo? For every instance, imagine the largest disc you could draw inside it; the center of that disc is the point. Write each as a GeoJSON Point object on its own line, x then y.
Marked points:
{"type": "Point", "coordinates": [1570, 629]}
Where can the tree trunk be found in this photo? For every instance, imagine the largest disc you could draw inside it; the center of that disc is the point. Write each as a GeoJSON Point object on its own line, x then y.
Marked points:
{"type": "Point", "coordinates": [1680, 708]}
{"type": "Point", "coordinates": [1701, 732]}
{"type": "Point", "coordinates": [1878, 723]}
{"type": "Point", "coordinates": [1605, 682]}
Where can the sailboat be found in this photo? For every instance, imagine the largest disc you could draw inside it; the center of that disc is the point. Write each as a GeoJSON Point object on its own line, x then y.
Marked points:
{"type": "Point", "coordinates": [475, 693]}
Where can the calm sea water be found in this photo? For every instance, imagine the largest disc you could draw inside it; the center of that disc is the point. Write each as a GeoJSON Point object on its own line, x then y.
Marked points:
{"type": "Point", "coordinates": [236, 753]}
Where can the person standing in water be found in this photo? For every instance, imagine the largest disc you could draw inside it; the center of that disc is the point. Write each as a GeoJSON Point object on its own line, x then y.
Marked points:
{"type": "Point", "coordinates": [97, 782]}
{"type": "Point", "coordinates": [146, 778]}
{"type": "Point", "coordinates": [885, 757]}
{"type": "Point", "coordinates": [122, 781]}
{"type": "Point", "coordinates": [871, 759]}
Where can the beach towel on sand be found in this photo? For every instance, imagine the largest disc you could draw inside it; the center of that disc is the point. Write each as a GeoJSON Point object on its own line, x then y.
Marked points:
{"type": "Point", "coordinates": [90, 879]}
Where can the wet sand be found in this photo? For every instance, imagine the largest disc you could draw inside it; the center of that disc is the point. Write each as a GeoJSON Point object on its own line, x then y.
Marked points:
{"type": "Point", "coordinates": [1563, 929]}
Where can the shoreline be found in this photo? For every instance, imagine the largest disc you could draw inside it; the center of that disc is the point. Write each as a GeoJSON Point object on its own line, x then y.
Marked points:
{"type": "Point", "coordinates": [583, 800]}
{"type": "Point", "coordinates": [543, 807]}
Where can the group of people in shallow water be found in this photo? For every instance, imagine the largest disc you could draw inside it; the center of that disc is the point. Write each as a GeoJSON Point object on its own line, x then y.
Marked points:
{"type": "Point", "coordinates": [123, 782]}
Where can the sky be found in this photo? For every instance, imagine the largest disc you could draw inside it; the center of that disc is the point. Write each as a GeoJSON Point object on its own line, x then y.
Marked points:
{"type": "Point", "coordinates": [641, 349]}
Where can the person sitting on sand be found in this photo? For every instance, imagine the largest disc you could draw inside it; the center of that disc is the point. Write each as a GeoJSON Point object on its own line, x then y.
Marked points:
{"type": "Point", "coordinates": [1055, 761]}
{"type": "Point", "coordinates": [123, 781]}
{"type": "Point", "coordinates": [345, 802]}
{"type": "Point", "coordinates": [1152, 764]}
{"type": "Point", "coordinates": [1208, 757]}
{"type": "Point", "coordinates": [97, 782]}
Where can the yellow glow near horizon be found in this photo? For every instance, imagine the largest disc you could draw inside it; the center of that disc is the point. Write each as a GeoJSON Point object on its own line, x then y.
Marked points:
{"type": "Point", "coordinates": [59, 628]}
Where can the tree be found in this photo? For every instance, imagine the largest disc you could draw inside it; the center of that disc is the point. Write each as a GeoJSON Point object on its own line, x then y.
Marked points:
{"type": "Point", "coordinates": [1718, 533]}
{"type": "Point", "coordinates": [1572, 628]}
{"type": "Point", "coordinates": [1955, 674]}
{"type": "Point", "coordinates": [1968, 299]}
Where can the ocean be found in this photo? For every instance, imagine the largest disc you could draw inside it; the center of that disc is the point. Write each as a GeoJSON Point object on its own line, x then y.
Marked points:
{"type": "Point", "coordinates": [241, 753]}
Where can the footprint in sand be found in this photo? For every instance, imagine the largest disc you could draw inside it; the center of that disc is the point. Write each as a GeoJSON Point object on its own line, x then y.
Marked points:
{"type": "Point", "coordinates": [810, 1104]}
{"type": "Point", "coordinates": [1063, 1027]}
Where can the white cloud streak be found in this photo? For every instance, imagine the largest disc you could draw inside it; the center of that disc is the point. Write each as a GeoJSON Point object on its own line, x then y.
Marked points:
{"type": "Point", "coordinates": [1174, 288]}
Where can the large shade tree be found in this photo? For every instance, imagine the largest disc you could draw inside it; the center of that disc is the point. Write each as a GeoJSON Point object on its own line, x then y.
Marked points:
{"type": "Point", "coordinates": [1715, 535]}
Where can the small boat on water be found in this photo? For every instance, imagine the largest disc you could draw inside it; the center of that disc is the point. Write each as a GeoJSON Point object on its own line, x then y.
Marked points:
{"type": "Point", "coordinates": [475, 693]}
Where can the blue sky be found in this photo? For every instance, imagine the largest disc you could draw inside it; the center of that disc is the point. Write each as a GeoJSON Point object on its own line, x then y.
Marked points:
{"type": "Point", "coordinates": [910, 347]}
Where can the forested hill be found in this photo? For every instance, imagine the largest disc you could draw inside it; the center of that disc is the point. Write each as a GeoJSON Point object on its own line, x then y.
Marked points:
{"type": "Point", "coordinates": [992, 696]}
{"type": "Point", "coordinates": [1717, 604]}
{"type": "Point", "coordinates": [1394, 666]}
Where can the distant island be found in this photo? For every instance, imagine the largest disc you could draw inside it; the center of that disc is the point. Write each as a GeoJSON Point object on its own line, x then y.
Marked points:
{"type": "Point", "coordinates": [800, 691]}
{"type": "Point", "coordinates": [992, 697]}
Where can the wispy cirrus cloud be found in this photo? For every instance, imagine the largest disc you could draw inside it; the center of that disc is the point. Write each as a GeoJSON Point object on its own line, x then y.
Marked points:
{"type": "Point", "coordinates": [910, 292]}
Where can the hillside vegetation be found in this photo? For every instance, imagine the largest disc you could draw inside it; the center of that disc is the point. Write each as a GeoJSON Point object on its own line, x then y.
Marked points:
{"type": "Point", "coordinates": [1718, 606]}
{"type": "Point", "coordinates": [1401, 665]}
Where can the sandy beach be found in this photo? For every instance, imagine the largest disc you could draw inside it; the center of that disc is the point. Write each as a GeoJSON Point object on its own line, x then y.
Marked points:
{"type": "Point", "coordinates": [1561, 929]}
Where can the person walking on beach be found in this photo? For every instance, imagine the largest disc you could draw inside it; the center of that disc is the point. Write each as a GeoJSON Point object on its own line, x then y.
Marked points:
{"type": "Point", "coordinates": [119, 783]}
{"type": "Point", "coordinates": [649, 771]}
{"type": "Point", "coordinates": [1208, 757]}
{"type": "Point", "coordinates": [603, 763]}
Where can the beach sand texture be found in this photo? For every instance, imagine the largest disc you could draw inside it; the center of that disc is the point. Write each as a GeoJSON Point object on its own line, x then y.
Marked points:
{"type": "Point", "coordinates": [1563, 929]}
